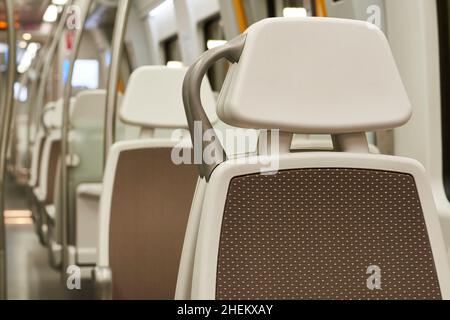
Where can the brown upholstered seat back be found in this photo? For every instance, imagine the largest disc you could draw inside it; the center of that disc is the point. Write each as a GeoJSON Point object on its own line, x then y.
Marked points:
{"type": "Point", "coordinates": [150, 208]}
{"type": "Point", "coordinates": [39, 160]}
{"type": "Point", "coordinates": [55, 153]}
{"type": "Point", "coordinates": [321, 233]}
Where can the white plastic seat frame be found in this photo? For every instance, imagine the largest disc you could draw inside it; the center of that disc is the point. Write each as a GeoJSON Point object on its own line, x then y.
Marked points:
{"type": "Point", "coordinates": [40, 140]}
{"type": "Point", "coordinates": [85, 139]}
{"type": "Point", "coordinates": [51, 122]}
{"type": "Point", "coordinates": [237, 107]}
{"type": "Point", "coordinates": [150, 104]}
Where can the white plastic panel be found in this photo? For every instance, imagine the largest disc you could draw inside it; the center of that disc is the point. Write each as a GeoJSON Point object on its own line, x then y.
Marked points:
{"type": "Point", "coordinates": [153, 98]}
{"type": "Point", "coordinates": [315, 76]}
{"type": "Point", "coordinates": [88, 201]}
{"type": "Point", "coordinates": [209, 229]}
{"type": "Point", "coordinates": [89, 108]}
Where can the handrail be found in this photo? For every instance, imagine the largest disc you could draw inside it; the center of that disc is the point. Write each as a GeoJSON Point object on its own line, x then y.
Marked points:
{"type": "Point", "coordinates": [84, 11]}
{"type": "Point", "coordinates": [195, 112]}
{"type": "Point", "coordinates": [120, 30]}
{"type": "Point", "coordinates": [33, 86]}
{"type": "Point", "coordinates": [5, 130]}
{"type": "Point", "coordinates": [43, 68]}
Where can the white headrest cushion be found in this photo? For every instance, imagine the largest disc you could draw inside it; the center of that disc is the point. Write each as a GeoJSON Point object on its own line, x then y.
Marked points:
{"type": "Point", "coordinates": [53, 119]}
{"type": "Point", "coordinates": [49, 109]}
{"type": "Point", "coordinates": [315, 75]}
{"type": "Point", "coordinates": [153, 98]}
{"type": "Point", "coordinates": [89, 108]}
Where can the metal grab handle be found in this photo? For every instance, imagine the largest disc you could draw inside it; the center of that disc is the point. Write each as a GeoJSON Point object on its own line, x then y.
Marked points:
{"type": "Point", "coordinates": [67, 235]}
{"type": "Point", "coordinates": [44, 66]}
{"type": "Point", "coordinates": [195, 113]}
{"type": "Point", "coordinates": [6, 122]}
{"type": "Point", "coordinates": [120, 29]}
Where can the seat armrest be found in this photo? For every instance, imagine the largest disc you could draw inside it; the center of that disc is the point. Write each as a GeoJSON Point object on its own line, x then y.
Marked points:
{"type": "Point", "coordinates": [102, 277]}
{"type": "Point", "coordinates": [90, 190]}
{"type": "Point", "coordinates": [87, 208]}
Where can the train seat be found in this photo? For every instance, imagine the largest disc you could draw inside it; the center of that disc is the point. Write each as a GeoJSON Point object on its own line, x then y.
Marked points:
{"type": "Point", "coordinates": [85, 158]}
{"type": "Point", "coordinates": [43, 191]}
{"type": "Point", "coordinates": [50, 151]}
{"type": "Point", "coordinates": [87, 209]}
{"type": "Point", "coordinates": [344, 224]}
{"type": "Point", "coordinates": [146, 198]}
{"type": "Point", "coordinates": [37, 147]}
{"type": "Point", "coordinates": [36, 157]}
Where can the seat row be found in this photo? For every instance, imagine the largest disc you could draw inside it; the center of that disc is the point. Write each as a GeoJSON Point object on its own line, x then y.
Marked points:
{"type": "Point", "coordinates": [282, 216]}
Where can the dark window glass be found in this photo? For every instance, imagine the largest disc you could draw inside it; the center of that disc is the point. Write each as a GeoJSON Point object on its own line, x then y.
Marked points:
{"type": "Point", "coordinates": [172, 51]}
{"type": "Point", "coordinates": [275, 7]}
{"type": "Point", "coordinates": [213, 30]}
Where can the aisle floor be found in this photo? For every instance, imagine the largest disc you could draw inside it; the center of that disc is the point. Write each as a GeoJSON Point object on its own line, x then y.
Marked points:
{"type": "Point", "coordinates": [28, 271]}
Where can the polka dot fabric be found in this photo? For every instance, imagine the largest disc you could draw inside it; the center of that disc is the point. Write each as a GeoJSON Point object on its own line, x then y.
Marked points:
{"type": "Point", "coordinates": [314, 234]}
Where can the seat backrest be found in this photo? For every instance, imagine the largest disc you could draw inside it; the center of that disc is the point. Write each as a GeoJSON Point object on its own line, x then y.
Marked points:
{"type": "Point", "coordinates": [51, 151]}
{"type": "Point", "coordinates": [85, 146]}
{"type": "Point", "coordinates": [146, 197]}
{"type": "Point", "coordinates": [52, 120]}
{"type": "Point", "coordinates": [47, 167]}
{"type": "Point", "coordinates": [344, 224]}
{"type": "Point", "coordinates": [36, 155]}
{"type": "Point", "coordinates": [36, 159]}
{"type": "Point", "coordinates": [85, 149]}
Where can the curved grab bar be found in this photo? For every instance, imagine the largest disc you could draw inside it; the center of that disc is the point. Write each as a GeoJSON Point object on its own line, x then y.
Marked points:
{"type": "Point", "coordinates": [195, 112]}
{"type": "Point", "coordinates": [120, 30]}
{"type": "Point", "coordinates": [6, 122]}
{"type": "Point", "coordinates": [66, 235]}
{"type": "Point", "coordinates": [43, 68]}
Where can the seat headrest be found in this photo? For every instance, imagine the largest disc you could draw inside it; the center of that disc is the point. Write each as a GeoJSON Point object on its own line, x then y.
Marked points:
{"type": "Point", "coordinates": [47, 115]}
{"type": "Point", "coordinates": [315, 76]}
{"type": "Point", "coordinates": [53, 119]}
{"type": "Point", "coordinates": [153, 98]}
{"type": "Point", "coordinates": [89, 108]}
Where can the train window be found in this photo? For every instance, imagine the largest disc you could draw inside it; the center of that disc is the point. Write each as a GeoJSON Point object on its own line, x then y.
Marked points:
{"type": "Point", "coordinates": [214, 36]}
{"type": "Point", "coordinates": [107, 58]}
{"type": "Point", "coordinates": [271, 9]}
{"type": "Point", "coordinates": [444, 41]}
{"type": "Point", "coordinates": [172, 51]}
{"type": "Point", "coordinates": [289, 8]}
{"type": "Point", "coordinates": [86, 73]}
{"type": "Point", "coordinates": [20, 92]}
